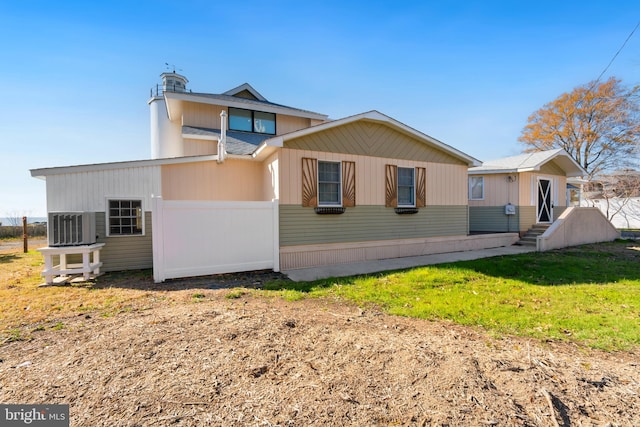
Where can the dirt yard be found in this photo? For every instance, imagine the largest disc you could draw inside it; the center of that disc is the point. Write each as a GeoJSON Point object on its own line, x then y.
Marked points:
{"type": "Point", "coordinates": [256, 361]}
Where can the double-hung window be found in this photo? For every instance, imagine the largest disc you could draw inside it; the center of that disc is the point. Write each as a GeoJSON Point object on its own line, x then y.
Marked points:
{"type": "Point", "coordinates": [125, 218]}
{"type": "Point", "coordinates": [329, 184]}
{"type": "Point", "coordinates": [476, 188]}
{"type": "Point", "coordinates": [406, 187]}
{"type": "Point", "coordinates": [252, 121]}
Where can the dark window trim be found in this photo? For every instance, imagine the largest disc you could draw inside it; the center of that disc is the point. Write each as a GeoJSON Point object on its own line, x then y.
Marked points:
{"type": "Point", "coordinates": [253, 130]}
{"type": "Point", "coordinates": [140, 226]}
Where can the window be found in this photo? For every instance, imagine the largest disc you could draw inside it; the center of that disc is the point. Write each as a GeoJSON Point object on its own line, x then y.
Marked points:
{"type": "Point", "coordinates": [329, 184]}
{"type": "Point", "coordinates": [125, 217]}
{"type": "Point", "coordinates": [252, 121]}
{"type": "Point", "coordinates": [406, 187]}
{"type": "Point", "coordinates": [476, 188]}
{"type": "Point", "coordinates": [330, 187]}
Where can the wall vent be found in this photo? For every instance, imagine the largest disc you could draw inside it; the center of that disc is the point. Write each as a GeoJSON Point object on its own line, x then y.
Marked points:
{"type": "Point", "coordinates": [71, 228]}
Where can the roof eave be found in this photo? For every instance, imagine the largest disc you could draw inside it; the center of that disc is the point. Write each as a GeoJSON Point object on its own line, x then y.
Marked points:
{"type": "Point", "coordinates": [491, 171]}
{"type": "Point", "coordinates": [59, 170]}
{"type": "Point", "coordinates": [175, 97]}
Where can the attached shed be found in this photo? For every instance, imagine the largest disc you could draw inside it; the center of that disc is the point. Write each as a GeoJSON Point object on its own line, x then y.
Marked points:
{"type": "Point", "coordinates": [513, 194]}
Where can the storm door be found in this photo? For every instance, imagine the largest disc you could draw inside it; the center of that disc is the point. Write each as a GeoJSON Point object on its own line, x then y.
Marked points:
{"type": "Point", "coordinates": [545, 205]}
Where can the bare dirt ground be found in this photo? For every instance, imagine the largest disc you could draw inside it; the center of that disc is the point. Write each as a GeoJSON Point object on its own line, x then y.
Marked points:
{"type": "Point", "coordinates": [257, 361]}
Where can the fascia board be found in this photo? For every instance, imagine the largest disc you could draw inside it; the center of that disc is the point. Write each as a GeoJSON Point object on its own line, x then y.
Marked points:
{"type": "Point", "coordinates": [257, 106]}
{"type": "Point", "coordinates": [43, 172]}
{"type": "Point", "coordinates": [200, 137]}
{"type": "Point", "coordinates": [492, 171]}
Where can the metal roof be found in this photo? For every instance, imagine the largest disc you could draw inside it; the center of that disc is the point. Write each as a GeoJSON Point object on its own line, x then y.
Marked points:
{"type": "Point", "coordinates": [530, 162]}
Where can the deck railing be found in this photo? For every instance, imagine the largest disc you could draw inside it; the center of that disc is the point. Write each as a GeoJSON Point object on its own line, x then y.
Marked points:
{"type": "Point", "coordinates": [159, 90]}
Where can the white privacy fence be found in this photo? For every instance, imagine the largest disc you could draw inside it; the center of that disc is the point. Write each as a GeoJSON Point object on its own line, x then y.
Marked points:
{"type": "Point", "coordinates": [626, 212]}
{"type": "Point", "coordinates": [196, 238]}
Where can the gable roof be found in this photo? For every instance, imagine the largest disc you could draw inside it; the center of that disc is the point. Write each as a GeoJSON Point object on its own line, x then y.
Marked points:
{"type": "Point", "coordinates": [245, 87]}
{"type": "Point", "coordinates": [378, 117]}
{"type": "Point", "coordinates": [530, 162]}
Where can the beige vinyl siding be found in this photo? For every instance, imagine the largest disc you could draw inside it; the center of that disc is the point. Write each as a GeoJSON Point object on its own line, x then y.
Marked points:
{"type": "Point", "coordinates": [286, 124]}
{"type": "Point", "coordinates": [201, 115]}
{"type": "Point", "coordinates": [125, 252]}
{"type": "Point", "coordinates": [528, 188]}
{"type": "Point", "coordinates": [498, 191]}
{"type": "Point", "coordinates": [238, 180]}
{"type": "Point", "coordinates": [87, 191]}
{"type": "Point", "coordinates": [561, 191]}
{"type": "Point", "coordinates": [372, 139]}
{"type": "Point", "coordinates": [492, 219]}
{"type": "Point", "coordinates": [302, 226]}
{"type": "Point", "coordinates": [446, 183]}
{"type": "Point", "coordinates": [208, 116]}
{"type": "Point", "coordinates": [270, 177]}
{"type": "Point", "coordinates": [551, 168]}
{"type": "Point", "coordinates": [200, 147]}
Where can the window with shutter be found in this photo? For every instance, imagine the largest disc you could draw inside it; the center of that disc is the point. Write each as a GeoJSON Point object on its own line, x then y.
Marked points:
{"type": "Point", "coordinates": [328, 184]}
{"type": "Point", "coordinates": [348, 184]}
{"type": "Point", "coordinates": [309, 182]}
{"type": "Point", "coordinates": [405, 188]}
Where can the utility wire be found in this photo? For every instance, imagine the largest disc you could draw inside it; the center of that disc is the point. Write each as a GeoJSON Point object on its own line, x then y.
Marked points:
{"type": "Point", "coordinates": [617, 53]}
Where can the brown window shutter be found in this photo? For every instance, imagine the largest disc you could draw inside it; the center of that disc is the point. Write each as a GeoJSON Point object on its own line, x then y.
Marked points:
{"type": "Point", "coordinates": [391, 185]}
{"type": "Point", "coordinates": [421, 187]}
{"type": "Point", "coordinates": [309, 182]}
{"type": "Point", "coordinates": [348, 184]}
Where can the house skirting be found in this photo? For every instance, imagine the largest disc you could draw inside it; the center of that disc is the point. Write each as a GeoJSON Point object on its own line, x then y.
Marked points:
{"type": "Point", "coordinates": [304, 256]}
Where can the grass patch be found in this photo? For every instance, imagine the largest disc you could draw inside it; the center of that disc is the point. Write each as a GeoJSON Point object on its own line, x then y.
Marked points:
{"type": "Point", "coordinates": [24, 303]}
{"type": "Point", "coordinates": [235, 294]}
{"type": "Point", "coordinates": [588, 294]}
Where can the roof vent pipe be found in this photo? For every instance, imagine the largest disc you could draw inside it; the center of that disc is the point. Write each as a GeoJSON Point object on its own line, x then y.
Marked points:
{"type": "Point", "coordinates": [222, 141]}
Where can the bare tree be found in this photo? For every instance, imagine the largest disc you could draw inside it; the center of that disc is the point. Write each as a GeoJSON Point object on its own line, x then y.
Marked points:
{"type": "Point", "coordinates": [598, 124]}
{"type": "Point", "coordinates": [14, 218]}
{"type": "Point", "coordinates": [616, 192]}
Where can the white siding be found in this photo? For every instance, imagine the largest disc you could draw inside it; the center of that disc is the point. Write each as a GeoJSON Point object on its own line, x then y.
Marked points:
{"type": "Point", "coordinates": [87, 191]}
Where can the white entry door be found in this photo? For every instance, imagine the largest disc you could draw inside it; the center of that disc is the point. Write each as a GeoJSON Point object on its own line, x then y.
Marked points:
{"type": "Point", "coordinates": [545, 201]}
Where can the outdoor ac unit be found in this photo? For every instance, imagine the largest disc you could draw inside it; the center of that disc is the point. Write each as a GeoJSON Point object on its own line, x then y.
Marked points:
{"type": "Point", "coordinates": [71, 228]}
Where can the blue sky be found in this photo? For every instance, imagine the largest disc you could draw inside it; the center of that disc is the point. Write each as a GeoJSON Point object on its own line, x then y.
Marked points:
{"type": "Point", "coordinates": [76, 75]}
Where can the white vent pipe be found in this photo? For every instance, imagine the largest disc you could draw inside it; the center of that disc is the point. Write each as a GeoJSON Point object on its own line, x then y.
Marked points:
{"type": "Point", "coordinates": [222, 141]}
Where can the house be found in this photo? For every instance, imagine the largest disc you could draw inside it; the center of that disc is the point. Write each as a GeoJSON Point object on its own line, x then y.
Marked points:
{"type": "Point", "coordinates": [513, 194]}
{"type": "Point", "coordinates": [530, 194]}
{"type": "Point", "coordinates": [236, 182]}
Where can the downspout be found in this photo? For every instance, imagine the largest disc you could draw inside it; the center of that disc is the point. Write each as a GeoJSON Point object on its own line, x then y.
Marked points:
{"type": "Point", "coordinates": [222, 141]}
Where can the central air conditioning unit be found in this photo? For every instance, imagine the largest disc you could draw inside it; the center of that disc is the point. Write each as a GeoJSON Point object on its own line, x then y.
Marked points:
{"type": "Point", "coordinates": [71, 228]}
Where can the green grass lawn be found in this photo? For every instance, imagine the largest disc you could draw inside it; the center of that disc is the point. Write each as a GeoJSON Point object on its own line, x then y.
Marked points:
{"type": "Point", "coordinates": [588, 294]}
